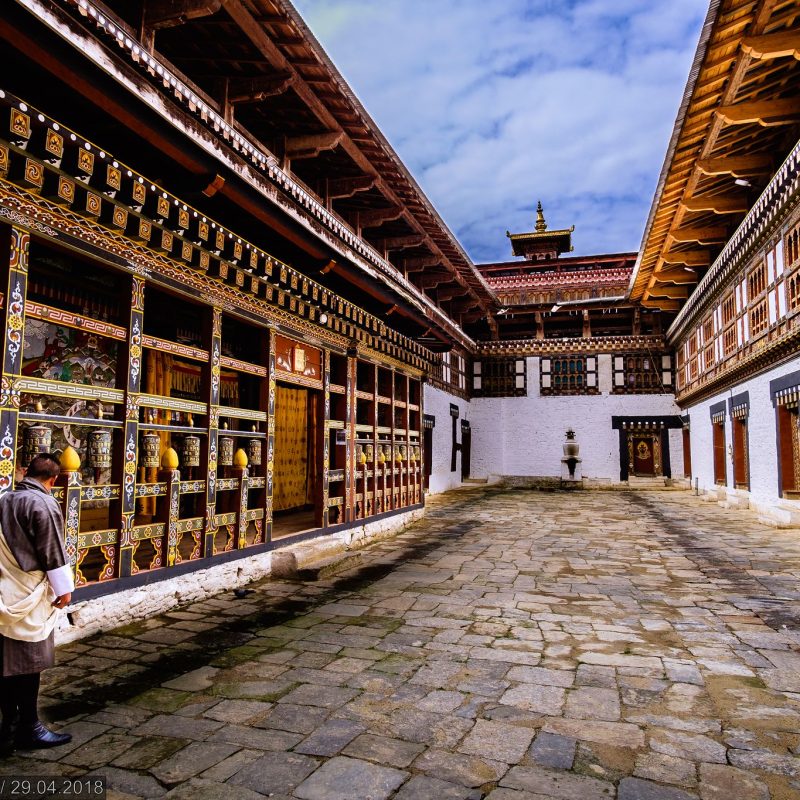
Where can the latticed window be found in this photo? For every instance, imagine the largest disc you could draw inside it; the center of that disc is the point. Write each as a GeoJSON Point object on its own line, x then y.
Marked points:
{"type": "Point", "coordinates": [793, 291]}
{"type": "Point", "coordinates": [499, 378]}
{"type": "Point", "coordinates": [792, 246]}
{"type": "Point", "coordinates": [642, 373]}
{"type": "Point", "coordinates": [759, 318]}
{"type": "Point", "coordinates": [728, 309]}
{"type": "Point", "coordinates": [757, 281]}
{"type": "Point", "coordinates": [729, 340]}
{"type": "Point", "coordinates": [569, 375]}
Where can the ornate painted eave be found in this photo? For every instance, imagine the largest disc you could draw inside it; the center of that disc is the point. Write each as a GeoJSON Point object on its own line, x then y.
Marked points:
{"type": "Point", "coordinates": [766, 214]}
{"type": "Point", "coordinates": [114, 48]}
{"type": "Point", "coordinates": [594, 344]}
{"type": "Point", "coordinates": [739, 109]}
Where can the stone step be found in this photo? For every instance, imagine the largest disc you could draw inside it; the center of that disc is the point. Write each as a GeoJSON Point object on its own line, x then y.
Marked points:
{"type": "Point", "coordinates": [476, 481]}
{"type": "Point", "coordinates": [284, 565]}
{"type": "Point", "coordinates": [779, 516]}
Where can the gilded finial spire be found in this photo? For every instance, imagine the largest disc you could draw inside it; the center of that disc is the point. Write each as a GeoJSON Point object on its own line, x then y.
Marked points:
{"type": "Point", "coordinates": [541, 225]}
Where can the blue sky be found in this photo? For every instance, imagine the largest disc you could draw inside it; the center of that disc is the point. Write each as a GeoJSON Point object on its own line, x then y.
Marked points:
{"type": "Point", "coordinates": [495, 104]}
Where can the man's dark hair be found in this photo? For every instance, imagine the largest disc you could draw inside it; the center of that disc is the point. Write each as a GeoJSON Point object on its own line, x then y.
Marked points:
{"type": "Point", "coordinates": [43, 466]}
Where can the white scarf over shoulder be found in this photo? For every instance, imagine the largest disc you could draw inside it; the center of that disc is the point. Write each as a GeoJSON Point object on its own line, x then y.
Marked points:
{"type": "Point", "coordinates": [27, 613]}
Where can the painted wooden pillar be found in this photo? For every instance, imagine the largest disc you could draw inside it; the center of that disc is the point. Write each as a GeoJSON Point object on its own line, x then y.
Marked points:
{"type": "Point", "coordinates": [241, 474]}
{"type": "Point", "coordinates": [270, 474]}
{"type": "Point", "coordinates": [130, 358]}
{"type": "Point", "coordinates": [377, 501]}
{"type": "Point", "coordinates": [70, 479]}
{"type": "Point", "coordinates": [14, 252]}
{"type": "Point", "coordinates": [350, 450]}
{"type": "Point", "coordinates": [168, 514]}
{"type": "Point", "coordinates": [324, 428]}
{"type": "Point", "coordinates": [214, 377]}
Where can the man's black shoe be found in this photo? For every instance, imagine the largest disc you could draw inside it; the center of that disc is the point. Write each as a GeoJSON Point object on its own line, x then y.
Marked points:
{"type": "Point", "coordinates": [37, 736]}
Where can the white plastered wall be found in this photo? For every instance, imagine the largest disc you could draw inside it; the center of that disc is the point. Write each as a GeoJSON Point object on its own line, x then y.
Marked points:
{"type": "Point", "coordinates": [523, 436]}
{"type": "Point", "coordinates": [763, 448]}
{"type": "Point", "coordinates": [436, 403]}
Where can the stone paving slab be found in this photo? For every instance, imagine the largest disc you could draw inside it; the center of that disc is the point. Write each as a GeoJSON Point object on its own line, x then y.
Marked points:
{"type": "Point", "coordinates": [512, 645]}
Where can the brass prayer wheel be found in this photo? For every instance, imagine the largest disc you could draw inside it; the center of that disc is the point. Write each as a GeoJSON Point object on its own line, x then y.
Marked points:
{"type": "Point", "coordinates": [403, 453]}
{"type": "Point", "coordinates": [225, 448]}
{"type": "Point", "coordinates": [35, 439]}
{"type": "Point", "coordinates": [254, 451]}
{"type": "Point", "coordinates": [150, 455]}
{"type": "Point", "coordinates": [190, 451]}
{"type": "Point", "coordinates": [99, 448]}
{"type": "Point", "coordinates": [370, 453]}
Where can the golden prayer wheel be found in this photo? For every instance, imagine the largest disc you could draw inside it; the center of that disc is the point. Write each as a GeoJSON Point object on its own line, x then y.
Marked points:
{"type": "Point", "coordinates": [35, 439]}
{"type": "Point", "coordinates": [150, 454]}
{"type": "Point", "coordinates": [403, 453]}
{"type": "Point", "coordinates": [226, 451]}
{"type": "Point", "coordinates": [225, 448]}
{"type": "Point", "coordinates": [370, 453]}
{"type": "Point", "coordinates": [99, 448]}
{"type": "Point", "coordinates": [190, 451]}
{"type": "Point", "coordinates": [254, 451]}
{"type": "Point", "coordinates": [416, 453]}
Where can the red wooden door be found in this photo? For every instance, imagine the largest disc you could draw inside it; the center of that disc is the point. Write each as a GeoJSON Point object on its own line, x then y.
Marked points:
{"type": "Point", "coordinates": [720, 475]}
{"type": "Point", "coordinates": [643, 456]}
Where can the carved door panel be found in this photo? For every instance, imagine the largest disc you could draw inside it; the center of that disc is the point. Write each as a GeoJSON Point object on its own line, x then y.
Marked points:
{"type": "Point", "coordinates": [642, 455]}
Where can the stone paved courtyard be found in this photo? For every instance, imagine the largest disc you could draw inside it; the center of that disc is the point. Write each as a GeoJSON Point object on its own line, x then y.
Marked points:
{"type": "Point", "coordinates": [514, 645]}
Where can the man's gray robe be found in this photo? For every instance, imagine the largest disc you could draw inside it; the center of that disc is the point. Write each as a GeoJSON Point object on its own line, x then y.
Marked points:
{"type": "Point", "coordinates": [33, 526]}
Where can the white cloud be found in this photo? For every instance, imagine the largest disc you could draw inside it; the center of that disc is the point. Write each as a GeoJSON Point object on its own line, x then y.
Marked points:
{"type": "Point", "coordinates": [495, 105]}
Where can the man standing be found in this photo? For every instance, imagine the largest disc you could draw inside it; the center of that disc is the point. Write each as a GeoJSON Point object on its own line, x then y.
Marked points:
{"type": "Point", "coordinates": [35, 582]}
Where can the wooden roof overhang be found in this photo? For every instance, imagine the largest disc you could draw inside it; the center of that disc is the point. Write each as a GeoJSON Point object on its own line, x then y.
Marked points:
{"type": "Point", "coordinates": [739, 117]}
{"type": "Point", "coordinates": [251, 83]}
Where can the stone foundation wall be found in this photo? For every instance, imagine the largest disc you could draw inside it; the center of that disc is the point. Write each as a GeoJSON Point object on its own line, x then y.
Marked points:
{"type": "Point", "coordinates": [131, 605]}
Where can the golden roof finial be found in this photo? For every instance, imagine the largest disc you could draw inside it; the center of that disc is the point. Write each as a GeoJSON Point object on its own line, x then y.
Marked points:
{"type": "Point", "coordinates": [541, 225]}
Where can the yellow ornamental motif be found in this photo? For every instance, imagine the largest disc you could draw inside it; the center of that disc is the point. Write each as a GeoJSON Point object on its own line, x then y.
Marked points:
{"type": "Point", "coordinates": [642, 451]}
{"type": "Point", "coordinates": [6, 468]}
{"type": "Point", "coordinates": [136, 351]}
{"type": "Point", "coordinates": [15, 322]}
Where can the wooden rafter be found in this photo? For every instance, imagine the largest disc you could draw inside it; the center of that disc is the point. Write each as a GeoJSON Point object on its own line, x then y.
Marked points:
{"type": "Point", "coordinates": [738, 166]}
{"type": "Point", "coordinates": [297, 147]}
{"type": "Point", "coordinates": [719, 204]}
{"type": "Point", "coordinates": [160, 14]}
{"type": "Point", "coordinates": [340, 188]}
{"type": "Point", "coordinates": [255, 90]}
{"type": "Point", "coordinates": [781, 111]}
{"type": "Point", "coordinates": [773, 45]}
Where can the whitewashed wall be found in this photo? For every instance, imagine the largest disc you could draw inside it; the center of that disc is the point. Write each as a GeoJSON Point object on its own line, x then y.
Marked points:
{"type": "Point", "coordinates": [763, 450]}
{"type": "Point", "coordinates": [523, 436]}
{"type": "Point", "coordinates": [437, 404]}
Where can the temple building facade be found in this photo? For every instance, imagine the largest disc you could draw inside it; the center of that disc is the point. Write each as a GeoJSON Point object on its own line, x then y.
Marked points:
{"type": "Point", "coordinates": [234, 314]}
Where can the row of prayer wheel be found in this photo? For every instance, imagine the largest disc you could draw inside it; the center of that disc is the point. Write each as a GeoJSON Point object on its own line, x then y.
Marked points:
{"type": "Point", "coordinates": [38, 439]}
{"type": "Point", "coordinates": [387, 452]}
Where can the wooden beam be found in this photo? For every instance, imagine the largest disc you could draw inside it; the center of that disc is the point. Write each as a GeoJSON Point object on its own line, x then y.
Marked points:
{"type": "Point", "coordinates": [338, 188]}
{"type": "Point", "coordinates": [676, 276]}
{"type": "Point", "coordinates": [160, 14]}
{"type": "Point", "coordinates": [671, 292]}
{"type": "Point", "coordinates": [782, 111]}
{"type": "Point", "coordinates": [375, 217]}
{"type": "Point", "coordinates": [254, 90]}
{"type": "Point", "coordinates": [700, 235]}
{"type": "Point", "coordinates": [773, 45]}
{"type": "Point", "coordinates": [719, 204]}
{"type": "Point", "coordinates": [297, 147]}
{"type": "Point", "coordinates": [401, 242]}
{"type": "Point", "coordinates": [738, 166]}
{"type": "Point", "coordinates": [419, 263]}
{"type": "Point", "coordinates": [430, 279]}
{"type": "Point", "coordinates": [443, 295]}
{"type": "Point", "coordinates": [691, 258]}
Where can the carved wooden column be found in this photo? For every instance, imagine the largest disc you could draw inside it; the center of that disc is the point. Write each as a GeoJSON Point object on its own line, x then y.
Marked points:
{"type": "Point", "coordinates": [270, 475]}
{"type": "Point", "coordinates": [213, 384]}
{"type": "Point", "coordinates": [14, 251]}
{"type": "Point", "coordinates": [324, 433]}
{"type": "Point", "coordinates": [169, 509]}
{"type": "Point", "coordinates": [240, 473]}
{"type": "Point", "coordinates": [124, 464]}
{"type": "Point", "coordinates": [350, 449]}
{"type": "Point", "coordinates": [70, 479]}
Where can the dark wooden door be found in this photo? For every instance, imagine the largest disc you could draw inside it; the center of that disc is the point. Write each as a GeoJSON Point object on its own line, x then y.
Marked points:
{"type": "Point", "coordinates": [687, 454]}
{"type": "Point", "coordinates": [787, 431]}
{"type": "Point", "coordinates": [644, 463]}
{"type": "Point", "coordinates": [427, 444]}
{"type": "Point", "coordinates": [720, 476]}
{"type": "Point", "coordinates": [466, 445]}
{"type": "Point", "coordinates": [739, 431]}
